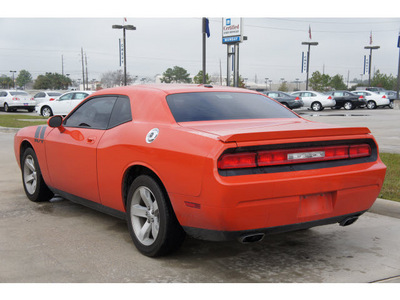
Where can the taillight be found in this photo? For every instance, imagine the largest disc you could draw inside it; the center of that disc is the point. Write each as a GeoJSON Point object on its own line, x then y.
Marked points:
{"type": "Point", "coordinates": [297, 98]}
{"type": "Point", "coordinates": [292, 156]}
{"type": "Point", "coordinates": [330, 97]}
{"type": "Point", "coordinates": [361, 98]}
{"type": "Point", "coordinates": [51, 99]}
{"type": "Point", "coordinates": [15, 98]}
{"type": "Point", "coordinates": [237, 161]}
{"type": "Point", "coordinates": [384, 96]}
{"type": "Point", "coordinates": [32, 98]}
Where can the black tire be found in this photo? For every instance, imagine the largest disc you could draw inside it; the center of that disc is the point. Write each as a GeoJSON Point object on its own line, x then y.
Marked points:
{"type": "Point", "coordinates": [316, 106]}
{"type": "Point", "coordinates": [46, 112]}
{"type": "Point", "coordinates": [35, 187]}
{"type": "Point", "coordinates": [371, 104]}
{"type": "Point", "coordinates": [391, 104]}
{"type": "Point", "coordinates": [31, 109]}
{"type": "Point", "coordinates": [6, 108]}
{"type": "Point", "coordinates": [152, 224]}
{"type": "Point", "coordinates": [348, 105]}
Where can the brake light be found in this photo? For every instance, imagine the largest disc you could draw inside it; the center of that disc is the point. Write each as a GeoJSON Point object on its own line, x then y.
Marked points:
{"type": "Point", "coordinates": [237, 161]}
{"type": "Point", "coordinates": [361, 98]}
{"type": "Point", "coordinates": [32, 98]}
{"type": "Point", "coordinates": [330, 97]}
{"type": "Point", "coordinates": [292, 156]}
{"type": "Point", "coordinates": [15, 98]}
{"type": "Point", "coordinates": [51, 99]}
{"type": "Point", "coordinates": [384, 96]}
{"type": "Point", "coordinates": [297, 98]}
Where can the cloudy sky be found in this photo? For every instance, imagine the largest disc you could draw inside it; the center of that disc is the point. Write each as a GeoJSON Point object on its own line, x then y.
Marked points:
{"type": "Point", "coordinates": [37, 39]}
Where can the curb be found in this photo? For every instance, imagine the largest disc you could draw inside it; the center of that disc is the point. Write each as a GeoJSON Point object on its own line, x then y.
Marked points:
{"type": "Point", "coordinates": [387, 208]}
{"type": "Point", "coordinates": [9, 130]}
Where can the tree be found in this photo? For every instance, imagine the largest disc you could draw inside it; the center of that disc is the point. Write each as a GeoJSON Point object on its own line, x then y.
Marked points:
{"type": "Point", "coordinates": [176, 75]}
{"type": "Point", "coordinates": [24, 77]}
{"type": "Point", "coordinates": [337, 83]}
{"type": "Point", "coordinates": [283, 87]}
{"type": "Point", "coordinates": [52, 81]}
{"type": "Point", "coordinates": [384, 81]}
{"type": "Point", "coordinates": [319, 82]}
{"type": "Point", "coordinates": [5, 82]}
{"type": "Point", "coordinates": [199, 78]}
{"type": "Point", "coordinates": [115, 78]}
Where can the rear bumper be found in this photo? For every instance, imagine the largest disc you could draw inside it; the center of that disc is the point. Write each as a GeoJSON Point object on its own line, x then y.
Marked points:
{"type": "Point", "coordinates": [214, 235]}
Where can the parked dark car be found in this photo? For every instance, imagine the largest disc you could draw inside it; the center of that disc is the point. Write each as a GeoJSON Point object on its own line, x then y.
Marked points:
{"type": "Point", "coordinates": [285, 99]}
{"type": "Point", "coordinates": [347, 100]}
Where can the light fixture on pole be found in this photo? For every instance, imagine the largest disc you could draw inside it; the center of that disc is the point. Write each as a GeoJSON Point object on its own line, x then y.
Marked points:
{"type": "Point", "coordinates": [370, 61]}
{"type": "Point", "coordinates": [308, 58]}
{"type": "Point", "coordinates": [124, 27]}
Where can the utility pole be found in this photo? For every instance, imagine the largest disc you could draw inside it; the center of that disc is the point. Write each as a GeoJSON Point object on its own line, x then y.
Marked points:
{"type": "Point", "coordinates": [62, 65]}
{"type": "Point", "coordinates": [87, 76]}
{"type": "Point", "coordinates": [83, 70]}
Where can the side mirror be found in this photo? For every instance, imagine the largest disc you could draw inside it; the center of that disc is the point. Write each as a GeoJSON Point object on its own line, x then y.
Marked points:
{"type": "Point", "coordinates": [56, 122]}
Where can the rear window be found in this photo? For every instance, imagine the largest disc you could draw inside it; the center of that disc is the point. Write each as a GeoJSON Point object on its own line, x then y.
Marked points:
{"type": "Point", "coordinates": [207, 106]}
{"type": "Point", "coordinates": [54, 94]}
{"type": "Point", "coordinates": [19, 94]}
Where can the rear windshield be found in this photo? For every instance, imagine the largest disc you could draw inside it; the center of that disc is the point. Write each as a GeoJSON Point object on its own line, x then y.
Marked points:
{"type": "Point", "coordinates": [19, 94]}
{"type": "Point", "coordinates": [209, 106]}
{"type": "Point", "coordinates": [54, 94]}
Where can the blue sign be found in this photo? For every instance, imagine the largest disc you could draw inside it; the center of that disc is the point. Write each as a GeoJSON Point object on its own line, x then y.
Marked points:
{"type": "Point", "coordinates": [231, 39]}
{"type": "Point", "coordinates": [228, 22]}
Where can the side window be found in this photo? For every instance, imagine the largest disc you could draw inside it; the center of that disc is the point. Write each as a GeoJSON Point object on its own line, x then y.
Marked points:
{"type": "Point", "coordinates": [273, 95]}
{"type": "Point", "coordinates": [94, 113]}
{"type": "Point", "coordinates": [338, 94]}
{"type": "Point", "coordinates": [66, 97]}
{"type": "Point", "coordinates": [121, 112]}
{"type": "Point", "coordinates": [79, 96]}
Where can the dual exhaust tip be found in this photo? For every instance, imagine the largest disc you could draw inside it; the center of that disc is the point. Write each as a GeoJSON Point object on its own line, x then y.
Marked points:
{"type": "Point", "coordinates": [257, 237]}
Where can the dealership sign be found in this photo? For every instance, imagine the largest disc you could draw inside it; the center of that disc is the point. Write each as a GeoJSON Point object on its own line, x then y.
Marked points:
{"type": "Point", "coordinates": [232, 30]}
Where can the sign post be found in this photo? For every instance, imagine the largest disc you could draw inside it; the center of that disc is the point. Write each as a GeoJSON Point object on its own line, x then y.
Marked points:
{"type": "Point", "coordinates": [232, 35]}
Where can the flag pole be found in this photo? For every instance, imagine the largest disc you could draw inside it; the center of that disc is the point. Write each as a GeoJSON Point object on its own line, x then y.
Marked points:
{"type": "Point", "coordinates": [204, 48]}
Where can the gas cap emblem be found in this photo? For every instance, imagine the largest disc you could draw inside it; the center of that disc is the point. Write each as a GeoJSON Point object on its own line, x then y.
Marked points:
{"type": "Point", "coordinates": [152, 135]}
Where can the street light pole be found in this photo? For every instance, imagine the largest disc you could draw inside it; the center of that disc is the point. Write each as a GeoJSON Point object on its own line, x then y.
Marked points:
{"type": "Point", "coordinates": [370, 61]}
{"type": "Point", "coordinates": [13, 72]}
{"type": "Point", "coordinates": [124, 27]}
{"type": "Point", "coordinates": [308, 58]}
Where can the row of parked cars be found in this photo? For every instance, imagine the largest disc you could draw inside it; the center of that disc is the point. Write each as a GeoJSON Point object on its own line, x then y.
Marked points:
{"type": "Point", "coordinates": [334, 99]}
{"type": "Point", "coordinates": [46, 103]}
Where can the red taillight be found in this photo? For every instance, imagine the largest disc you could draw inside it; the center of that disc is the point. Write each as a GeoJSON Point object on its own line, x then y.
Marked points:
{"type": "Point", "coordinates": [361, 97]}
{"type": "Point", "coordinates": [363, 150]}
{"type": "Point", "coordinates": [297, 98]}
{"type": "Point", "coordinates": [384, 96]}
{"type": "Point", "coordinates": [330, 97]}
{"type": "Point", "coordinates": [32, 98]}
{"type": "Point", "coordinates": [51, 99]}
{"type": "Point", "coordinates": [237, 161]}
{"type": "Point", "coordinates": [292, 156]}
{"type": "Point", "coordinates": [15, 98]}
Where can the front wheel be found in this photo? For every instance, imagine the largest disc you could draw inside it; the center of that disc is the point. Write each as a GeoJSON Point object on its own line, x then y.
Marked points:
{"type": "Point", "coordinates": [6, 108]}
{"type": "Point", "coordinates": [35, 187]}
{"type": "Point", "coordinates": [391, 104]}
{"type": "Point", "coordinates": [152, 224]}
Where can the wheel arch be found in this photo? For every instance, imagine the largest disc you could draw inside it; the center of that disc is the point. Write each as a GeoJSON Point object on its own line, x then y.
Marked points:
{"type": "Point", "coordinates": [23, 146]}
{"type": "Point", "coordinates": [135, 171]}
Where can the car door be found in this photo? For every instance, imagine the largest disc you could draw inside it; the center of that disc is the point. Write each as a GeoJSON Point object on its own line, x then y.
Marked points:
{"type": "Point", "coordinates": [40, 97]}
{"type": "Point", "coordinates": [307, 99]}
{"type": "Point", "coordinates": [62, 105]}
{"type": "Point", "coordinates": [72, 153]}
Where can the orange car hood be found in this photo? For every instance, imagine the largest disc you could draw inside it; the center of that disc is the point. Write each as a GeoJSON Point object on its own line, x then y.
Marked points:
{"type": "Point", "coordinates": [256, 130]}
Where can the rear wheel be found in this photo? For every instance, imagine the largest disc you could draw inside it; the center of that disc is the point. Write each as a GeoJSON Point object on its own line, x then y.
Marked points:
{"type": "Point", "coordinates": [371, 104]}
{"type": "Point", "coordinates": [348, 105]}
{"type": "Point", "coordinates": [391, 104]}
{"type": "Point", "coordinates": [316, 106]}
{"type": "Point", "coordinates": [35, 187]}
{"type": "Point", "coordinates": [152, 224]}
{"type": "Point", "coordinates": [46, 111]}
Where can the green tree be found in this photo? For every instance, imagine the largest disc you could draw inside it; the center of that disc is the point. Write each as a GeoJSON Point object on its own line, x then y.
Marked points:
{"type": "Point", "coordinates": [24, 77]}
{"type": "Point", "coordinates": [387, 82]}
{"type": "Point", "coordinates": [283, 87]}
{"type": "Point", "coordinates": [5, 82]}
{"type": "Point", "coordinates": [319, 82]}
{"type": "Point", "coordinates": [52, 81]}
{"type": "Point", "coordinates": [176, 75]}
{"type": "Point", "coordinates": [337, 83]}
{"type": "Point", "coordinates": [199, 78]}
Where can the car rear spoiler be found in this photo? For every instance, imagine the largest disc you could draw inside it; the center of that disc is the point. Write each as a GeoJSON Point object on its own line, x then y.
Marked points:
{"type": "Point", "coordinates": [274, 135]}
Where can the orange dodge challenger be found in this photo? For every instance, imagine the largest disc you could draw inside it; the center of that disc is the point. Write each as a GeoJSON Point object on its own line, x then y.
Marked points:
{"type": "Point", "coordinates": [216, 163]}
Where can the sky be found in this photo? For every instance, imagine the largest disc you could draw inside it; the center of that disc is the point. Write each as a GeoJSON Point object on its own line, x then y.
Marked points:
{"type": "Point", "coordinates": [168, 34]}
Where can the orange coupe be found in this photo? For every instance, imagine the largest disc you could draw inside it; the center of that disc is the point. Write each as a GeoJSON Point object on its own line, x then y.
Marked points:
{"type": "Point", "coordinates": [216, 163]}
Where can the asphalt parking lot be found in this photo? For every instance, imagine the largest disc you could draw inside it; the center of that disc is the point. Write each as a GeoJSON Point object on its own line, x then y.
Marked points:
{"type": "Point", "coordinates": [60, 241]}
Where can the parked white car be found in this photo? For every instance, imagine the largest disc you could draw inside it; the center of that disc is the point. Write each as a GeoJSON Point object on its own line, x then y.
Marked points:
{"type": "Point", "coordinates": [63, 105]}
{"type": "Point", "coordinates": [13, 100]}
{"type": "Point", "coordinates": [46, 96]}
{"type": "Point", "coordinates": [374, 99]}
{"type": "Point", "coordinates": [314, 100]}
